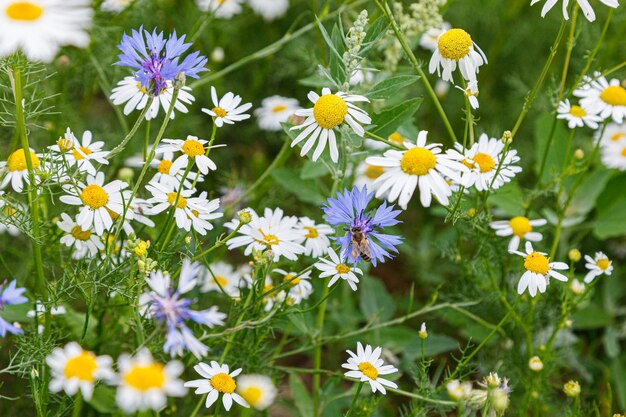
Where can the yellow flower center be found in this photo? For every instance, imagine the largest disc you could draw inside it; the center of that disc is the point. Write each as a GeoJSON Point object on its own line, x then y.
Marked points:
{"type": "Point", "coordinates": [252, 395]}
{"type": "Point", "coordinates": [223, 383]}
{"type": "Point", "coordinates": [520, 225]}
{"type": "Point", "coordinates": [222, 281]}
{"type": "Point", "coordinates": [614, 95]}
{"type": "Point", "coordinates": [82, 366]}
{"type": "Point", "coordinates": [577, 111]}
{"type": "Point", "coordinates": [396, 137]}
{"type": "Point", "coordinates": [330, 111]}
{"type": "Point", "coordinates": [617, 136]}
{"type": "Point", "coordinates": [164, 167]}
{"type": "Point", "coordinates": [64, 144]}
{"type": "Point", "coordinates": [267, 287]}
{"type": "Point", "coordinates": [192, 148]}
{"type": "Point", "coordinates": [94, 196]}
{"type": "Point", "coordinates": [485, 162]}
{"type": "Point", "coordinates": [418, 161]}
{"type": "Point", "coordinates": [9, 211]}
{"type": "Point", "coordinates": [80, 234]}
{"type": "Point", "coordinates": [624, 151]}
{"type": "Point", "coordinates": [342, 269]}
{"type": "Point", "coordinates": [17, 161]}
{"type": "Point", "coordinates": [144, 378]}
{"type": "Point", "coordinates": [537, 263]}
{"type": "Point", "coordinates": [268, 240]}
{"type": "Point", "coordinates": [292, 282]}
{"type": "Point", "coordinates": [603, 264]}
{"type": "Point", "coordinates": [24, 10]}
{"type": "Point", "coordinates": [180, 204]}
{"type": "Point", "coordinates": [454, 44]}
{"type": "Point", "coordinates": [279, 109]}
{"type": "Point", "coordinates": [78, 156]}
{"type": "Point", "coordinates": [142, 88]}
{"type": "Point", "coordinates": [220, 112]}
{"type": "Point", "coordinates": [141, 249]}
{"type": "Point", "coordinates": [311, 232]}
{"type": "Point", "coordinates": [374, 171]}
{"type": "Point", "coordinates": [368, 370]}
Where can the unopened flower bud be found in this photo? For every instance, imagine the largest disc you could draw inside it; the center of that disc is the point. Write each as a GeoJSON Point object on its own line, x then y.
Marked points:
{"type": "Point", "coordinates": [499, 400]}
{"type": "Point", "coordinates": [217, 55]}
{"type": "Point", "coordinates": [574, 255]}
{"type": "Point", "coordinates": [458, 391]}
{"type": "Point", "coordinates": [187, 240]}
{"type": "Point", "coordinates": [577, 287]}
{"type": "Point", "coordinates": [579, 154]}
{"type": "Point", "coordinates": [423, 334]}
{"type": "Point", "coordinates": [507, 137]}
{"type": "Point", "coordinates": [572, 389]}
{"type": "Point", "coordinates": [493, 380]}
{"type": "Point", "coordinates": [142, 248]}
{"type": "Point", "coordinates": [568, 324]}
{"type": "Point", "coordinates": [245, 217]}
{"type": "Point", "coordinates": [34, 373]}
{"type": "Point", "coordinates": [126, 174]}
{"type": "Point", "coordinates": [64, 144]}
{"type": "Point", "coordinates": [535, 364]}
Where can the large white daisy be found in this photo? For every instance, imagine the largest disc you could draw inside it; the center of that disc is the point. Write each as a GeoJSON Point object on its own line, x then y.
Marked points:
{"type": "Point", "coordinates": [191, 148]}
{"type": "Point", "coordinates": [613, 132]}
{"type": "Point", "coordinates": [614, 154]}
{"type": "Point", "coordinates": [604, 98]}
{"type": "Point", "coordinates": [584, 6]}
{"type": "Point", "coordinates": [85, 242]}
{"type": "Point", "coordinates": [539, 269]}
{"type": "Point", "coordinates": [576, 116]}
{"type": "Point", "coordinates": [455, 47]}
{"type": "Point", "coordinates": [338, 269]}
{"type": "Point", "coordinates": [314, 237]}
{"type": "Point", "coordinates": [257, 390]}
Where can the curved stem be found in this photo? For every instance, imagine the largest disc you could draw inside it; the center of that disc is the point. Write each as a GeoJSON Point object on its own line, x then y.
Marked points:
{"type": "Point", "coordinates": [354, 399]}
{"type": "Point", "coordinates": [317, 353]}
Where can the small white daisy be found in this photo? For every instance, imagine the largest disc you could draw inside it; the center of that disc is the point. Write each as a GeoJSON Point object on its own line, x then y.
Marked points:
{"type": "Point", "coordinates": [576, 116]}
{"type": "Point", "coordinates": [431, 36]}
{"type": "Point", "coordinates": [84, 242]}
{"type": "Point", "coordinates": [131, 92]}
{"type": "Point", "coordinates": [269, 9]}
{"type": "Point", "coordinates": [163, 175]}
{"type": "Point", "coordinates": [614, 154]}
{"type": "Point", "coordinates": [223, 275]}
{"type": "Point", "coordinates": [422, 166]}
{"type": "Point", "coordinates": [202, 211]}
{"type": "Point", "coordinates": [455, 46]}
{"type": "Point", "coordinates": [584, 6]}
{"type": "Point", "coordinates": [600, 264]}
{"type": "Point", "coordinates": [314, 237]}
{"type": "Point", "coordinates": [40, 312]}
{"type": "Point", "coordinates": [539, 269]}
{"type": "Point", "coordinates": [275, 110]}
{"type": "Point", "coordinates": [483, 160]}
{"type": "Point", "coordinates": [329, 112]}
{"type": "Point", "coordinates": [218, 380]}
{"type": "Point", "coordinates": [145, 384]}
{"type": "Point", "coordinates": [74, 368]}
{"type": "Point", "coordinates": [522, 228]}
{"type": "Point", "coordinates": [604, 98]}
{"type": "Point", "coordinates": [115, 6]}
{"type": "Point", "coordinates": [15, 169]}
{"type": "Point", "coordinates": [227, 109]}
{"type": "Point", "coordinates": [337, 268]}
{"type": "Point", "coordinates": [223, 9]}
{"type": "Point", "coordinates": [366, 174]}
{"type": "Point", "coordinates": [191, 148]}
{"type": "Point", "coordinates": [257, 390]}
{"type": "Point", "coordinates": [366, 366]}
{"type": "Point", "coordinates": [300, 287]}
{"type": "Point", "coordinates": [98, 201]}
{"type": "Point", "coordinates": [73, 152]}
{"type": "Point", "coordinates": [612, 133]}
{"type": "Point", "coordinates": [459, 391]}
{"type": "Point", "coordinates": [471, 92]}
{"type": "Point", "coordinates": [271, 231]}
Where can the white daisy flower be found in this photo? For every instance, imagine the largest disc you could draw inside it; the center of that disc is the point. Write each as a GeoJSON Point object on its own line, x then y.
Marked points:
{"type": "Point", "coordinates": [314, 237]}
{"type": "Point", "coordinates": [98, 201]}
{"type": "Point", "coordinates": [366, 366]}
{"type": "Point", "coordinates": [225, 276]}
{"type": "Point", "coordinates": [539, 269]}
{"type": "Point", "coordinates": [40, 27]}
{"type": "Point", "coordinates": [521, 228]}
{"type": "Point", "coordinates": [227, 109]}
{"type": "Point", "coordinates": [431, 36]}
{"type": "Point", "coordinates": [70, 149]}
{"type": "Point", "coordinates": [275, 110]}
{"type": "Point", "coordinates": [459, 391]}
{"type": "Point", "coordinates": [455, 46]}
{"type": "Point", "coordinates": [40, 312]}
{"type": "Point", "coordinates": [85, 242]}
{"type": "Point", "coordinates": [604, 98]}
{"type": "Point", "coordinates": [272, 231]}
{"type": "Point", "coordinates": [131, 92]}
{"type": "Point", "coordinates": [471, 92]}
{"type": "Point", "coordinates": [115, 6]}
{"type": "Point", "coordinates": [145, 384]}
{"type": "Point", "coordinates": [328, 112]}
{"type": "Point", "coordinates": [223, 9]}
{"type": "Point", "coordinates": [614, 155]}
{"type": "Point", "coordinates": [10, 215]}
{"type": "Point", "coordinates": [257, 390]}
{"type": "Point", "coordinates": [300, 287]}
{"type": "Point", "coordinates": [598, 265]}
{"type": "Point", "coordinates": [576, 116]}
{"type": "Point", "coordinates": [218, 380]}
{"type": "Point", "coordinates": [584, 6]}
{"type": "Point", "coordinates": [270, 299]}
{"type": "Point", "coordinates": [15, 169]}
{"type": "Point", "coordinates": [423, 166]}
{"type": "Point", "coordinates": [203, 210]}
{"type": "Point", "coordinates": [613, 132]}
{"type": "Point", "coordinates": [366, 174]}
{"type": "Point", "coordinates": [269, 9]}
{"type": "Point", "coordinates": [337, 268]}
{"type": "Point", "coordinates": [76, 369]}
{"type": "Point", "coordinates": [191, 148]}
{"type": "Point", "coordinates": [483, 160]}
{"type": "Point", "coordinates": [163, 175]}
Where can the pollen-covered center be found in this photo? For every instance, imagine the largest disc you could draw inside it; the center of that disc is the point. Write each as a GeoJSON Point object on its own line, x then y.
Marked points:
{"type": "Point", "coordinates": [164, 167]}
{"type": "Point", "coordinates": [192, 148]}
{"type": "Point", "coordinates": [24, 10]}
{"type": "Point", "coordinates": [221, 280]}
{"type": "Point", "coordinates": [577, 111]}
{"type": "Point", "coordinates": [624, 151]}
{"type": "Point", "coordinates": [80, 234]}
{"type": "Point", "coordinates": [368, 370]}
{"type": "Point", "coordinates": [289, 278]}
{"type": "Point", "coordinates": [223, 383]}
{"type": "Point", "coordinates": [374, 171]}
{"type": "Point", "coordinates": [454, 44]}
{"type": "Point", "coordinates": [17, 161]}
{"type": "Point", "coordinates": [617, 136]}
{"type": "Point", "coordinates": [330, 110]}
{"type": "Point", "coordinates": [82, 367]}
{"type": "Point", "coordinates": [396, 137]}
{"type": "Point", "coordinates": [520, 225]}
{"type": "Point", "coordinates": [614, 95]}
{"type": "Point", "coordinates": [78, 156]}
{"type": "Point", "coordinates": [418, 161]}
{"type": "Point", "coordinates": [537, 263]}
{"type": "Point", "coordinates": [219, 112]}
{"type": "Point", "coordinates": [342, 269]}
{"type": "Point", "coordinates": [269, 239]}
{"type": "Point", "coordinates": [180, 204]}
{"type": "Point", "coordinates": [603, 263]}
{"type": "Point", "coordinates": [94, 196]}
{"type": "Point", "coordinates": [484, 161]}
{"type": "Point", "coordinates": [144, 378]}
{"type": "Point", "coordinates": [252, 395]}
{"type": "Point", "coordinates": [312, 232]}
{"type": "Point", "coordinates": [279, 109]}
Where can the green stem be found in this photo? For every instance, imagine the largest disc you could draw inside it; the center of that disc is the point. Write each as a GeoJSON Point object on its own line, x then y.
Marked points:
{"type": "Point", "coordinates": [354, 399]}
{"type": "Point", "coordinates": [119, 148]}
{"type": "Point", "coordinates": [383, 140]}
{"type": "Point", "coordinates": [317, 353]}
{"type": "Point", "coordinates": [78, 405]}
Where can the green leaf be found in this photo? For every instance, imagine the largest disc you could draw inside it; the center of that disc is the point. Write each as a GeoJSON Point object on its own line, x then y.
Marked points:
{"type": "Point", "coordinates": [389, 87]}
{"type": "Point", "coordinates": [611, 206]}
{"type": "Point", "coordinates": [610, 340]}
{"type": "Point", "coordinates": [301, 396]}
{"type": "Point", "coordinates": [591, 317]}
{"type": "Point", "coordinates": [618, 373]}
{"type": "Point", "coordinates": [313, 170]}
{"type": "Point", "coordinates": [584, 199]}
{"type": "Point", "coordinates": [556, 153]}
{"type": "Point", "coordinates": [508, 198]}
{"type": "Point", "coordinates": [373, 33]}
{"type": "Point", "coordinates": [335, 64]}
{"type": "Point", "coordinates": [374, 300]}
{"type": "Point", "coordinates": [103, 399]}
{"type": "Point", "coordinates": [387, 121]}
{"type": "Point", "coordinates": [304, 190]}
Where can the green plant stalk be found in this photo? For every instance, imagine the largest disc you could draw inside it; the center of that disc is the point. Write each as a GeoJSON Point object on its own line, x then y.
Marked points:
{"type": "Point", "coordinates": [383, 140]}
{"type": "Point", "coordinates": [354, 399]}
{"type": "Point", "coordinates": [384, 7]}
{"type": "Point", "coordinates": [568, 54]}
{"type": "Point", "coordinates": [119, 148]}
{"type": "Point", "coordinates": [169, 225]}
{"type": "Point", "coordinates": [561, 212]}
{"type": "Point", "coordinates": [317, 353]}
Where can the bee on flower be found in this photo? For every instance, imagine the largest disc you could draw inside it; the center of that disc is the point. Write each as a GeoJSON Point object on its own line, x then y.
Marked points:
{"type": "Point", "coordinates": [521, 228]}
{"type": "Point", "coordinates": [600, 264]}
{"type": "Point", "coordinates": [227, 110]}
{"type": "Point", "coordinates": [539, 270]}
{"type": "Point", "coordinates": [217, 379]}
{"type": "Point", "coordinates": [367, 366]}
{"type": "Point", "coordinates": [455, 47]}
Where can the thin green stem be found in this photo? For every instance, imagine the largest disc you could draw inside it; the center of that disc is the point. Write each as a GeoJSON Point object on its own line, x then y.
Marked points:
{"type": "Point", "coordinates": [354, 398]}
{"type": "Point", "coordinates": [119, 148]}
{"type": "Point", "coordinates": [317, 353]}
{"type": "Point", "coordinates": [383, 140]}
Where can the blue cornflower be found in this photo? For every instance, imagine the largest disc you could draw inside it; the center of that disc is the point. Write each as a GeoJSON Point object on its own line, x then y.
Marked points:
{"type": "Point", "coordinates": [10, 295]}
{"type": "Point", "coordinates": [350, 211]}
{"type": "Point", "coordinates": [167, 305]}
{"type": "Point", "coordinates": [156, 61]}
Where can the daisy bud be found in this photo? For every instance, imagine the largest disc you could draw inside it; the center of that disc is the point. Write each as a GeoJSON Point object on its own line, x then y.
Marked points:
{"type": "Point", "coordinates": [574, 255]}
{"type": "Point", "coordinates": [568, 324]}
{"type": "Point", "coordinates": [217, 55]}
{"type": "Point", "coordinates": [423, 334]}
{"type": "Point", "coordinates": [572, 389]}
{"type": "Point", "coordinates": [142, 248]}
{"type": "Point", "coordinates": [64, 144]}
{"type": "Point", "coordinates": [579, 154]}
{"type": "Point", "coordinates": [535, 364]}
{"type": "Point", "coordinates": [34, 373]}
{"type": "Point", "coordinates": [187, 240]}
{"type": "Point", "coordinates": [507, 137]}
{"type": "Point", "coordinates": [471, 212]}
{"type": "Point", "coordinates": [493, 380]}
{"type": "Point", "coordinates": [458, 391]}
{"type": "Point", "coordinates": [126, 174]}
{"type": "Point", "coordinates": [63, 61]}
{"type": "Point", "coordinates": [499, 400]}
{"type": "Point", "coordinates": [245, 217]}
{"type": "Point", "coordinates": [577, 287]}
